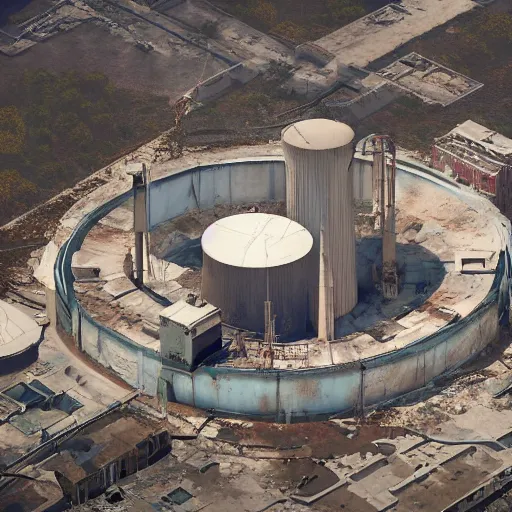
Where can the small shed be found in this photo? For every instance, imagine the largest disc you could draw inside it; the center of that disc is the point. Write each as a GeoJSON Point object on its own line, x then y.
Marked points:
{"type": "Point", "coordinates": [478, 156]}
{"type": "Point", "coordinates": [190, 333]}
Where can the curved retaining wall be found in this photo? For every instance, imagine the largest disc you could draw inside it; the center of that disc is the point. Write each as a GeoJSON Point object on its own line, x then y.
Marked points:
{"type": "Point", "coordinates": [280, 395]}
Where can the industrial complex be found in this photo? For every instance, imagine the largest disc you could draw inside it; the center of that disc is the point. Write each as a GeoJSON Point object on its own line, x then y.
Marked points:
{"type": "Point", "coordinates": [346, 301]}
{"type": "Point", "coordinates": [303, 304]}
{"type": "Point", "coordinates": [316, 320]}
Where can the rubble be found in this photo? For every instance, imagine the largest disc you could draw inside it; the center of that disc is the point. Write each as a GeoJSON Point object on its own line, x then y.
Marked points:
{"type": "Point", "coordinates": [444, 444]}
{"type": "Point", "coordinates": [391, 470]}
{"type": "Point", "coordinates": [429, 80]}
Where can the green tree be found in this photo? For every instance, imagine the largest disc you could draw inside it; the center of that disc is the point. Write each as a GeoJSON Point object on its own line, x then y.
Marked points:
{"type": "Point", "coordinates": [80, 135]}
{"type": "Point", "coordinates": [265, 12]}
{"type": "Point", "coordinates": [344, 11]}
{"type": "Point", "coordinates": [15, 188]}
{"type": "Point", "coordinates": [12, 131]}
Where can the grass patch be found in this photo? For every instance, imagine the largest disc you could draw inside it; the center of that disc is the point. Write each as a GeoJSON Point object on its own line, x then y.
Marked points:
{"type": "Point", "coordinates": [58, 128]}
{"type": "Point", "coordinates": [298, 20]}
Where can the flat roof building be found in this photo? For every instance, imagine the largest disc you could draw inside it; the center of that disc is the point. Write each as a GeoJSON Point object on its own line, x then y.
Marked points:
{"type": "Point", "coordinates": [91, 462]}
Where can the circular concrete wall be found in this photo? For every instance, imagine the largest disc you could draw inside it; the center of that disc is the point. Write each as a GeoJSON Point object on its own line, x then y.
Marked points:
{"type": "Point", "coordinates": [280, 394]}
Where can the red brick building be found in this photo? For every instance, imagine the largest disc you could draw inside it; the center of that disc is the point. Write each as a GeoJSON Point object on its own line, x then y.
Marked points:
{"type": "Point", "coordinates": [479, 157]}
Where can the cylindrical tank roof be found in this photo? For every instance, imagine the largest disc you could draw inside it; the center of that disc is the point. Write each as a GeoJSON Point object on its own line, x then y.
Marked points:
{"type": "Point", "coordinates": [256, 240]}
{"type": "Point", "coordinates": [318, 134]}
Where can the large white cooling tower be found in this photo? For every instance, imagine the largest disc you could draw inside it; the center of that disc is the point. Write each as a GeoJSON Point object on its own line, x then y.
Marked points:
{"type": "Point", "coordinates": [252, 256]}
{"type": "Point", "coordinates": [319, 196]}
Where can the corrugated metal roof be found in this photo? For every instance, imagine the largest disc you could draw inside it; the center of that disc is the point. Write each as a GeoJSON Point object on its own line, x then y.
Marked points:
{"type": "Point", "coordinates": [186, 315]}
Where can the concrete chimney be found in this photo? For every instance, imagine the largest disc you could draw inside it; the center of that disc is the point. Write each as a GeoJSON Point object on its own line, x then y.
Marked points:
{"type": "Point", "coordinates": [319, 196]}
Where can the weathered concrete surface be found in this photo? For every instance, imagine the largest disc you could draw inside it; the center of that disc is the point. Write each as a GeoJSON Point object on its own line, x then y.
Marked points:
{"type": "Point", "coordinates": [18, 332]}
{"type": "Point", "coordinates": [321, 466]}
{"type": "Point", "coordinates": [60, 370]}
{"type": "Point", "coordinates": [364, 41]}
{"type": "Point", "coordinates": [246, 43]}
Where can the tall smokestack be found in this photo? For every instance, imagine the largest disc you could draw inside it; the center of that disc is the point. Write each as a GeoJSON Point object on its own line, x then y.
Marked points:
{"type": "Point", "coordinates": [319, 188]}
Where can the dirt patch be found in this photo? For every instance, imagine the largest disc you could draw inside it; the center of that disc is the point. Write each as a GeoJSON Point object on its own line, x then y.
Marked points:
{"type": "Point", "coordinates": [343, 499]}
{"type": "Point", "coordinates": [325, 439]}
{"type": "Point", "coordinates": [295, 471]}
{"type": "Point", "coordinates": [101, 233]}
{"type": "Point", "coordinates": [462, 480]}
{"type": "Point", "coordinates": [98, 303]}
{"type": "Point", "coordinates": [183, 411]}
{"type": "Point", "coordinates": [191, 280]}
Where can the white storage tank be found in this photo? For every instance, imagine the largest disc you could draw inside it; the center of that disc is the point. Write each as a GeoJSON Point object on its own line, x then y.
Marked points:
{"type": "Point", "coordinates": [250, 257]}
{"type": "Point", "coordinates": [319, 192]}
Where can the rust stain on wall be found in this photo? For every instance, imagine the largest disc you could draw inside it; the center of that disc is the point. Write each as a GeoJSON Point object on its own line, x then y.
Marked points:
{"type": "Point", "coordinates": [307, 388]}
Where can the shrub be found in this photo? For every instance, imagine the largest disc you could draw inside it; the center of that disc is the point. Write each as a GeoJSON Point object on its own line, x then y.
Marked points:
{"type": "Point", "coordinates": [279, 71]}
{"type": "Point", "coordinates": [14, 187]}
{"type": "Point", "coordinates": [210, 29]}
{"type": "Point", "coordinates": [291, 31]}
{"type": "Point", "coordinates": [265, 12]}
{"type": "Point", "coordinates": [261, 11]}
{"type": "Point", "coordinates": [12, 131]}
{"type": "Point", "coordinates": [344, 11]}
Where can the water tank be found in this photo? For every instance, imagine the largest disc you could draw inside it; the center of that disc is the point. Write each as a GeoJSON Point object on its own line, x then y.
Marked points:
{"type": "Point", "coordinates": [319, 196]}
{"type": "Point", "coordinates": [250, 257]}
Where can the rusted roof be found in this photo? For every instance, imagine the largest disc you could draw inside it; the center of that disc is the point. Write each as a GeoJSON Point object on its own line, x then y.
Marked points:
{"type": "Point", "coordinates": [36, 496]}
{"type": "Point", "coordinates": [65, 464]}
{"type": "Point", "coordinates": [93, 450]}
{"type": "Point", "coordinates": [480, 138]}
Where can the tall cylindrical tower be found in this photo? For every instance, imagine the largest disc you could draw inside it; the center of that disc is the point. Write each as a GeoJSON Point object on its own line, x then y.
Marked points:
{"type": "Point", "coordinates": [319, 196]}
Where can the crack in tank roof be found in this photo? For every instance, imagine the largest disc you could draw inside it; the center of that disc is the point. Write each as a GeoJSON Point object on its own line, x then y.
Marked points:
{"type": "Point", "coordinates": [256, 240]}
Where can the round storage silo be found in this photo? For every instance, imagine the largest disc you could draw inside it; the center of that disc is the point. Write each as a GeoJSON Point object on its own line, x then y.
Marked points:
{"type": "Point", "coordinates": [254, 257]}
{"type": "Point", "coordinates": [319, 195]}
